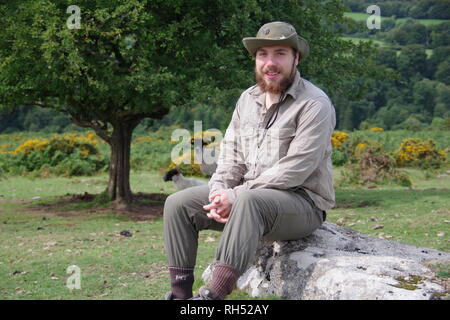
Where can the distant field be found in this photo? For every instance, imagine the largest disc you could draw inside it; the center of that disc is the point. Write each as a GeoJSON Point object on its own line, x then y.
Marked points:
{"type": "Point", "coordinates": [357, 40]}
{"type": "Point", "coordinates": [380, 43]}
{"type": "Point", "coordinates": [359, 16]}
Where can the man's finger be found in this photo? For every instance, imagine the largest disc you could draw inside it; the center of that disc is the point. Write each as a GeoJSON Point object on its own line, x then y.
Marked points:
{"type": "Point", "coordinates": [210, 206]}
{"type": "Point", "coordinates": [222, 220]}
{"type": "Point", "coordinates": [212, 196]}
{"type": "Point", "coordinates": [215, 194]}
{"type": "Point", "coordinates": [212, 214]}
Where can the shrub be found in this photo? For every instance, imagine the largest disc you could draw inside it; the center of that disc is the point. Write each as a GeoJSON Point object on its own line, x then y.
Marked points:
{"type": "Point", "coordinates": [69, 155]}
{"type": "Point", "coordinates": [374, 167]}
{"type": "Point", "coordinates": [369, 163]}
{"type": "Point", "coordinates": [150, 153]}
{"type": "Point", "coordinates": [414, 152]}
{"type": "Point", "coordinates": [438, 124]}
{"type": "Point", "coordinates": [187, 162]}
{"type": "Point", "coordinates": [338, 157]}
{"type": "Point", "coordinates": [338, 138]}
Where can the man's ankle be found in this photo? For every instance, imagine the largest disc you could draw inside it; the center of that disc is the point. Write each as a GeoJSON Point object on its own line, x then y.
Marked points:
{"type": "Point", "coordinates": [224, 279]}
{"type": "Point", "coordinates": [181, 281]}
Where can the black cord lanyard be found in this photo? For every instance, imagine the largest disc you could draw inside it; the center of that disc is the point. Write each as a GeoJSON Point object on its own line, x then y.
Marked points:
{"type": "Point", "coordinates": [271, 122]}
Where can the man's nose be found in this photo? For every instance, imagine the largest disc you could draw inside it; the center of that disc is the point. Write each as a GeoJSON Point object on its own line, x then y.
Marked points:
{"type": "Point", "coordinates": [270, 61]}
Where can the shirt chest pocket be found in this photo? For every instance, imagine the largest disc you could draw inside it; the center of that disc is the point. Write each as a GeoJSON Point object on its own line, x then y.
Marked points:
{"type": "Point", "coordinates": [248, 140]}
{"type": "Point", "coordinates": [277, 142]}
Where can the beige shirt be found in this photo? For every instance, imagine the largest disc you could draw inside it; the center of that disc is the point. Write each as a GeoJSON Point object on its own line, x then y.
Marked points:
{"type": "Point", "coordinates": [294, 152]}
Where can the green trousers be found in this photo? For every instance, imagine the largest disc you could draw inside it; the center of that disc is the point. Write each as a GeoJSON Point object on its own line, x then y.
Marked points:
{"type": "Point", "coordinates": [256, 214]}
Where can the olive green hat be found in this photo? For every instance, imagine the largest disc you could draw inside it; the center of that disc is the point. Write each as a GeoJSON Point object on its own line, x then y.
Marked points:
{"type": "Point", "coordinates": [277, 33]}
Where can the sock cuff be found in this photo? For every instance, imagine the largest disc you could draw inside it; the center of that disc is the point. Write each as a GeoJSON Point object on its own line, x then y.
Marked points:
{"type": "Point", "coordinates": [224, 279]}
{"type": "Point", "coordinates": [180, 274]}
{"type": "Point", "coordinates": [226, 270]}
{"type": "Point", "coordinates": [182, 270]}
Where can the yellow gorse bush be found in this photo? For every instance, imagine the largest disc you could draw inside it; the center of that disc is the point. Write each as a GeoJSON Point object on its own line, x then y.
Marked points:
{"type": "Point", "coordinates": [361, 145]}
{"type": "Point", "coordinates": [86, 144]}
{"type": "Point", "coordinates": [187, 164]}
{"type": "Point", "coordinates": [187, 161]}
{"type": "Point", "coordinates": [5, 146]}
{"type": "Point", "coordinates": [415, 152]}
{"type": "Point", "coordinates": [32, 145]}
{"type": "Point", "coordinates": [205, 135]}
{"type": "Point", "coordinates": [146, 139]}
{"type": "Point", "coordinates": [338, 138]}
{"type": "Point", "coordinates": [376, 129]}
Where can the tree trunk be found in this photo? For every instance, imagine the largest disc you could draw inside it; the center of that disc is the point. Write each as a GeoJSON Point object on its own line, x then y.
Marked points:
{"type": "Point", "coordinates": [119, 188]}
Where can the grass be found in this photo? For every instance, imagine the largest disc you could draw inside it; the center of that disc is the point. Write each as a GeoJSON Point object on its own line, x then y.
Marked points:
{"type": "Point", "coordinates": [380, 43]}
{"type": "Point", "coordinates": [359, 16]}
{"type": "Point", "coordinates": [418, 216]}
{"type": "Point", "coordinates": [357, 40]}
{"type": "Point", "coordinates": [41, 238]}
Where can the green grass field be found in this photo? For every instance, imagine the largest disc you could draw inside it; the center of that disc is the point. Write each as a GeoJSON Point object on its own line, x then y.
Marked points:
{"type": "Point", "coordinates": [41, 238]}
{"type": "Point", "coordinates": [357, 40]}
{"type": "Point", "coordinates": [360, 16]}
{"type": "Point", "coordinates": [380, 43]}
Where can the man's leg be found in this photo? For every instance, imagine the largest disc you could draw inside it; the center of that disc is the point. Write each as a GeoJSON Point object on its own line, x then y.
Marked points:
{"type": "Point", "coordinates": [184, 217]}
{"type": "Point", "coordinates": [273, 214]}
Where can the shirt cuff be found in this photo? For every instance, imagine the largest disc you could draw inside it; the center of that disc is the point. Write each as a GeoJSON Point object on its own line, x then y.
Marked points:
{"type": "Point", "coordinates": [231, 196]}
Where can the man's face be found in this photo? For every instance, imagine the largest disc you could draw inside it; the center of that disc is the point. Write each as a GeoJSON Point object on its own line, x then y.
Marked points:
{"type": "Point", "coordinates": [275, 68]}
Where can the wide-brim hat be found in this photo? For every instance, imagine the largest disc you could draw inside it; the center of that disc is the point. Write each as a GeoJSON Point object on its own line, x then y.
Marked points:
{"type": "Point", "coordinates": [277, 33]}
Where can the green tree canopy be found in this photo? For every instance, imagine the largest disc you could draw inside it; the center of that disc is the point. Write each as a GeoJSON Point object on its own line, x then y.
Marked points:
{"type": "Point", "coordinates": [134, 59]}
{"type": "Point", "coordinates": [412, 60]}
{"type": "Point", "coordinates": [443, 72]}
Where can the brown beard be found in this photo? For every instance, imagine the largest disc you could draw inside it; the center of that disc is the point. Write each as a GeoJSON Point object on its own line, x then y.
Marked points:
{"type": "Point", "coordinates": [275, 87]}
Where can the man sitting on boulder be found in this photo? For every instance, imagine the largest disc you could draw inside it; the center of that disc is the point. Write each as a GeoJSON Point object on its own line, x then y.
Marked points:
{"type": "Point", "coordinates": [274, 174]}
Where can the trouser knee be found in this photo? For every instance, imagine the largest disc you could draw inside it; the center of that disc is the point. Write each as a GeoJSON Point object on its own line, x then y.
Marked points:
{"type": "Point", "coordinates": [251, 204]}
{"type": "Point", "coordinates": [176, 202]}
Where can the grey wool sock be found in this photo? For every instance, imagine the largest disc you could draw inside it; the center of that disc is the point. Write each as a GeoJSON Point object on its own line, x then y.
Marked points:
{"type": "Point", "coordinates": [224, 279]}
{"type": "Point", "coordinates": [181, 281]}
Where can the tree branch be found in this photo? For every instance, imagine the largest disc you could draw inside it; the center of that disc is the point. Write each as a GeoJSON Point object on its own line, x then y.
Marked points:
{"type": "Point", "coordinates": [100, 129]}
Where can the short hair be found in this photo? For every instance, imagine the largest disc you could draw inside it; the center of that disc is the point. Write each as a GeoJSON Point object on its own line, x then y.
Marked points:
{"type": "Point", "coordinates": [294, 51]}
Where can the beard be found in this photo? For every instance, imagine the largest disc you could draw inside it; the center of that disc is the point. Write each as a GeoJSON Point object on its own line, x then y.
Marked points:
{"type": "Point", "coordinates": [275, 87]}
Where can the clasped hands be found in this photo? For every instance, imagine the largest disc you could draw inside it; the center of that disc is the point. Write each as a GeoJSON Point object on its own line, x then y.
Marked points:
{"type": "Point", "coordinates": [220, 206]}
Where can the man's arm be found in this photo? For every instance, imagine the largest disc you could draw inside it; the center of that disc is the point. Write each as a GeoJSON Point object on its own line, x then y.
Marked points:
{"type": "Point", "coordinates": [230, 165]}
{"type": "Point", "coordinates": [306, 151]}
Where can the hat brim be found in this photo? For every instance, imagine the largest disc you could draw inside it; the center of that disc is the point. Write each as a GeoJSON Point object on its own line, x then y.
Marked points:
{"type": "Point", "coordinates": [252, 44]}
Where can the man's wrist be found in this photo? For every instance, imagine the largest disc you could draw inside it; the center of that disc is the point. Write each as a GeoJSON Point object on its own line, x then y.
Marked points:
{"type": "Point", "coordinates": [231, 195]}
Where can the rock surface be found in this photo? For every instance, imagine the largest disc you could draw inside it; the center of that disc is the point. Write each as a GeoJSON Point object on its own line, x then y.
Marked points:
{"type": "Point", "coordinates": [340, 263]}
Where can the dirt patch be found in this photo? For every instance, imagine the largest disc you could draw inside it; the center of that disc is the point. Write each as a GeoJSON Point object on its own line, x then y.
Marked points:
{"type": "Point", "coordinates": [145, 206]}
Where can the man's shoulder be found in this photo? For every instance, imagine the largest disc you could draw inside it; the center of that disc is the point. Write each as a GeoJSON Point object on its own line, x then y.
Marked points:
{"type": "Point", "coordinates": [249, 96]}
{"type": "Point", "coordinates": [312, 91]}
{"type": "Point", "coordinates": [253, 91]}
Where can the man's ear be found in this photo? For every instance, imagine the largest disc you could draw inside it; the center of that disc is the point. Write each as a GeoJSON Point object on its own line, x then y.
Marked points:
{"type": "Point", "coordinates": [297, 58]}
